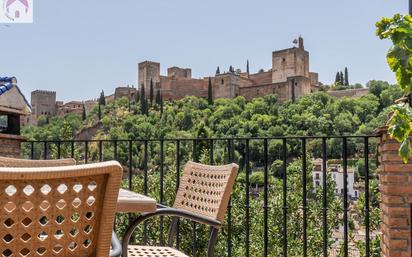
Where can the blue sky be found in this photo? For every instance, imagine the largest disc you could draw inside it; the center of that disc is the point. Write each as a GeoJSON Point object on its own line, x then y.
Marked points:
{"type": "Point", "coordinates": [78, 48]}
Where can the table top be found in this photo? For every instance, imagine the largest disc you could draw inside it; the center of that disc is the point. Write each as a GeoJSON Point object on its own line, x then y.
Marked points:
{"type": "Point", "coordinates": [129, 201]}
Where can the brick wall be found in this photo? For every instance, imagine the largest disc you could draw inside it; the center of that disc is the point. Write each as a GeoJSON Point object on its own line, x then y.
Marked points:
{"type": "Point", "coordinates": [395, 182]}
{"type": "Point", "coordinates": [10, 145]}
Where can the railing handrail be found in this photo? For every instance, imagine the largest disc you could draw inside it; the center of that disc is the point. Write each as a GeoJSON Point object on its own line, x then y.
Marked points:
{"type": "Point", "coordinates": [209, 138]}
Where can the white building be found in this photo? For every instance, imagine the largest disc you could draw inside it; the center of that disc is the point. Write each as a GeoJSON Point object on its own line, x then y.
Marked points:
{"type": "Point", "coordinates": [336, 171]}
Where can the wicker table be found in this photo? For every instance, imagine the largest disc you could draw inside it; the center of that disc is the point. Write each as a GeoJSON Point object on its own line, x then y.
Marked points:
{"type": "Point", "coordinates": [131, 202]}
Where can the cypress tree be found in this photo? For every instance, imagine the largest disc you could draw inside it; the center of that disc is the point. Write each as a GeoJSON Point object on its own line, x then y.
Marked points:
{"type": "Point", "coordinates": [346, 76]}
{"type": "Point", "coordinates": [161, 105]}
{"type": "Point", "coordinates": [137, 97]}
{"type": "Point", "coordinates": [102, 99]}
{"type": "Point", "coordinates": [342, 80]}
{"type": "Point", "coordinates": [217, 70]}
{"type": "Point", "coordinates": [247, 66]}
{"type": "Point", "coordinates": [146, 109]}
{"type": "Point", "coordinates": [142, 99]}
{"type": "Point", "coordinates": [84, 113]}
{"type": "Point", "coordinates": [151, 92]}
{"type": "Point", "coordinates": [99, 112]}
{"type": "Point", "coordinates": [210, 92]}
{"type": "Point", "coordinates": [337, 78]}
{"type": "Point", "coordinates": [158, 97]}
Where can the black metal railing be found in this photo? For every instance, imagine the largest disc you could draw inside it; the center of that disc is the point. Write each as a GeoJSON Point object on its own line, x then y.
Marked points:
{"type": "Point", "coordinates": [144, 157]}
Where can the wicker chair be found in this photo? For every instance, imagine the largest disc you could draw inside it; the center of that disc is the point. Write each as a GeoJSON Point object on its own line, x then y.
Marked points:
{"type": "Point", "coordinates": [203, 195]}
{"type": "Point", "coordinates": [23, 163]}
{"type": "Point", "coordinates": [59, 211]}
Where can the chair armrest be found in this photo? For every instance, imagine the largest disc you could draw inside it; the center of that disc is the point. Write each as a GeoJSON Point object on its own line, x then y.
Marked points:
{"type": "Point", "coordinates": [167, 211]}
{"type": "Point", "coordinates": [116, 246]}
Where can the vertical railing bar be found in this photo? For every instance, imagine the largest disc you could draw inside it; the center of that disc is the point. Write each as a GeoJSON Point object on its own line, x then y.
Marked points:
{"type": "Point", "coordinates": [265, 199]}
{"type": "Point", "coordinates": [247, 203]}
{"type": "Point", "coordinates": [115, 149]}
{"type": "Point", "coordinates": [211, 152]}
{"type": "Point", "coordinates": [229, 206]}
{"type": "Point", "coordinates": [45, 150]}
{"type": "Point", "coordinates": [194, 235]}
{"type": "Point", "coordinates": [86, 151]}
{"type": "Point", "coordinates": [130, 165]}
{"type": "Point", "coordinates": [345, 197]}
{"type": "Point", "coordinates": [32, 150]}
{"type": "Point", "coordinates": [100, 151]}
{"type": "Point", "coordinates": [130, 172]}
{"type": "Point", "coordinates": [177, 188]}
{"type": "Point", "coordinates": [304, 198]}
{"type": "Point", "coordinates": [72, 149]}
{"type": "Point", "coordinates": [324, 198]}
{"type": "Point", "coordinates": [145, 159]}
{"type": "Point", "coordinates": [58, 150]}
{"type": "Point", "coordinates": [161, 188]}
{"type": "Point", "coordinates": [285, 206]}
{"type": "Point", "coordinates": [367, 237]}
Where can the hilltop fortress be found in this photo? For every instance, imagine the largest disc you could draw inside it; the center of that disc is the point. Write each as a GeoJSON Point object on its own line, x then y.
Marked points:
{"type": "Point", "coordinates": [289, 78]}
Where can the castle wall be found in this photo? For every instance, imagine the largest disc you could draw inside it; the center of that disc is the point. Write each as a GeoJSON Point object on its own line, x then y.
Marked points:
{"type": "Point", "coordinates": [128, 92]}
{"type": "Point", "coordinates": [176, 72]}
{"type": "Point", "coordinates": [43, 103]}
{"type": "Point", "coordinates": [172, 88]}
{"type": "Point", "coordinates": [281, 89]}
{"type": "Point", "coordinates": [148, 71]}
{"type": "Point", "coordinates": [289, 63]}
{"type": "Point", "coordinates": [289, 78]}
{"type": "Point", "coordinates": [261, 78]}
{"type": "Point", "coordinates": [355, 93]}
{"type": "Point", "coordinates": [227, 85]}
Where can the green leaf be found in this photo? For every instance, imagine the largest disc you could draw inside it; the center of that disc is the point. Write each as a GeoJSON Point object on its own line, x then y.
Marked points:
{"type": "Point", "coordinates": [405, 150]}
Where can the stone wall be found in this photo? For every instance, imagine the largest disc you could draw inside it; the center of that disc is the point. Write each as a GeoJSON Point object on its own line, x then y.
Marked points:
{"type": "Point", "coordinates": [287, 65]}
{"type": "Point", "coordinates": [43, 102]}
{"type": "Point", "coordinates": [128, 92]}
{"type": "Point", "coordinates": [349, 93]}
{"type": "Point", "coordinates": [148, 71]}
{"type": "Point", "coordinates": [10, 145]}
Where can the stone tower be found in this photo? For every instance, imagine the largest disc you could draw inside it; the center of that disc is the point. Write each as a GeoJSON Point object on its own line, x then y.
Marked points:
{"type": "Point", "coordinates": [290, 62]}
{"type": "Point", "coordinates": [43, 103]}
{"type": "Point", "coordinates": [226, 85]}
{"type": "Point", "coordinates": [148, 71]}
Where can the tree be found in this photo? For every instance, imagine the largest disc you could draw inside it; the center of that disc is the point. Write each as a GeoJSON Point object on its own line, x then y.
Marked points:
{"type": "Point", "coordinates": [102, 98]}
{"type": "Point", "coordinates": [231, 69]}
{"type": "Point", "coordinates": [399, 30]}
{"type": "Point", "coordinates": [151, 93]}
{"type": "Point", "coordinates": [337, 78]}
{"type": "Point", "coordinates": [142, 99]}
{"type": "Point", "coordinates": [210, 92]}
{"type": "Point", "coordinates": [137, 97]}
{"type": "Point", "coordinates": [341, 78]}
{"type": "Point", "coordinates": [247, 66]}
{"type": "Point", "coordinates": [218, 71]}
{"type": "Point", "coordinates": [346, 77]}
{"type": "Point", "coordinates": [84, 112]}
{"type": "Point", "coordinates": [161, 105]}
{"type": "Point", "coordinates": [99, 112]}
{"type": "Point", "coordinates": [158, 97]}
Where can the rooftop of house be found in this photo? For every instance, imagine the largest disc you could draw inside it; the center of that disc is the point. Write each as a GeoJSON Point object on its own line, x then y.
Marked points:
{"type": "Point", "coordinates": [12, 99]}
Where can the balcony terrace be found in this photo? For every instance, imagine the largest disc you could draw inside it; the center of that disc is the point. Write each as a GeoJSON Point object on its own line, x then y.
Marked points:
{"type": "Point", "coordinates": [275, 210]}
